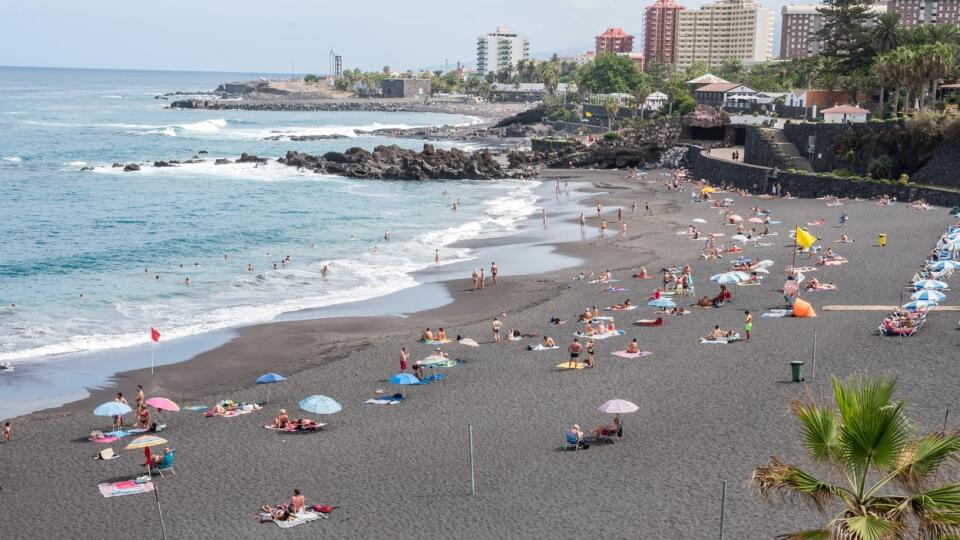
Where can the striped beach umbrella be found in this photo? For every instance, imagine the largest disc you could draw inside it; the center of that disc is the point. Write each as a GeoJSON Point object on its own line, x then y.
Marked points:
{"type": "Point", "coordinates": [918, 305]}
{"type": "Point", "coordinates": [320, 405]}
{"type": "Point", "coordinates": [928, 295]}
{"type": "Point", "coordinates": [145, 441]}
{"type": "Point", "coordinates": [663, 303]}
{"type": "Point", "coordinates": [929, 284]}
{"type": "Point", "coordinates": [940, 266]}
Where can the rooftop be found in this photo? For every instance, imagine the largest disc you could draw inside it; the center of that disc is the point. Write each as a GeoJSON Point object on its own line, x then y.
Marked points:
{"type": "Point", "coordinates": [718, 87]}
{"type": "Point", "coordinates": [709, 78]}
{"type": "Point", "coordinates": [614, 33]}
{"type": "Point", "coordinates": [845, 109]}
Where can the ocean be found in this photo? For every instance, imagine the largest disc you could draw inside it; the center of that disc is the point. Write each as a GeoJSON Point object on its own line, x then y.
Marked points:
{"type": "Point", "coordinates": [91, 260]}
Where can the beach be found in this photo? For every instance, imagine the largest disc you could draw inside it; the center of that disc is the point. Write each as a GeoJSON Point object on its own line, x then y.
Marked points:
{"type": "Point", "coordinates": [708, 413]}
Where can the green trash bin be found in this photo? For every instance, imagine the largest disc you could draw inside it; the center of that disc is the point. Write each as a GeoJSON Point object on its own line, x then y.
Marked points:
{"type": "Point", "coordinates": [796, 368]}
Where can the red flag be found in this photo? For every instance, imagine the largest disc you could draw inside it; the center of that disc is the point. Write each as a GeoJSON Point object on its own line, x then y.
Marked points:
{"type": "Point", "coordinates": [154, 335]}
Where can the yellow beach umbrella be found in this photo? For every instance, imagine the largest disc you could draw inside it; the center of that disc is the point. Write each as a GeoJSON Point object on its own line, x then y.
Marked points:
{"type": "Point", "coordinates": [708, 189]}
{"type": "Point", "coordinates": [145, 441]}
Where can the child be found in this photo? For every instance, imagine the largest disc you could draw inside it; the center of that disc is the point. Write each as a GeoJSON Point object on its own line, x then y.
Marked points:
{"type": "Point", "coordinates": [7, 432]}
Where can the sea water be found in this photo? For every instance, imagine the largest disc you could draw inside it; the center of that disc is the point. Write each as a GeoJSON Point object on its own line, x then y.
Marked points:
{"type": "Point", "coordinates": [91, 260]}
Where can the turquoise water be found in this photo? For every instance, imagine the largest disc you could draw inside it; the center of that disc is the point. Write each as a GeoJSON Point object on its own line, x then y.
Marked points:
{"type": "Point", "coordinates": [107, 235]}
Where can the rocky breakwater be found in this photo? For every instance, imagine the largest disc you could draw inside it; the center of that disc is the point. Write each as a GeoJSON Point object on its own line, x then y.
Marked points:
{"type": "Point", "coordinates": [395, 163]}
{"type": "Point", "coordinates": [276, 105]}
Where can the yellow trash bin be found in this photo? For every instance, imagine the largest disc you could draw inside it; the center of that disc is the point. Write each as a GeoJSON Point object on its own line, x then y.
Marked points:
{"type": "Point", "coordinates": [883, 240]}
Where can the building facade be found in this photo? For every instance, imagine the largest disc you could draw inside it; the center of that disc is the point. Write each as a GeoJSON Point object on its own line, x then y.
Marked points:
{"type": "Point", "coordinates": [799, 27]}
{"type": "Point", "coordinates": [661, 24]}
{"type": "Point", "coordinates": [917, 12]}
{"type": "Point", "coordinates": [614, 40]}
{"type": "Point", "coordinates": [500, 49]}
{"type": "Point", "coordinates": [405, 88]}
{"type": "Point", "coordinates": [740, 29]}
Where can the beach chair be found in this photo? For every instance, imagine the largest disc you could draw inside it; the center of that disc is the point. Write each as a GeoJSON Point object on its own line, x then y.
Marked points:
{"type": "Point", "coordinates": [572, 441]}
{"type": "Point", "coordinates": [165, 465]}
{"type": "Point", "coordinates": [610, 436]}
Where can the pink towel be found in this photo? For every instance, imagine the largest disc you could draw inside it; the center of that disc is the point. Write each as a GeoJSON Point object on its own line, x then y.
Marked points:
{"type": "Point", "coordinates": [625, 354]}
{"type": "Point", "coordinates": [104, 440]}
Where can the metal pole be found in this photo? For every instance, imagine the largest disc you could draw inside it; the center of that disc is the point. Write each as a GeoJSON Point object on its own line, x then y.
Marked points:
{"type": "Point", "coordinates": [473, 480]}
{"type": "Point", "coordinates": [813, 370]}
{"type": "Point", "coordinates": [156, 494]}
{"type": "Point", "coordinates": [945, 416]}
{"type": "Point", "coordinates": [723, 504]}
{"type": "Point", "coordinates": [153, 349]}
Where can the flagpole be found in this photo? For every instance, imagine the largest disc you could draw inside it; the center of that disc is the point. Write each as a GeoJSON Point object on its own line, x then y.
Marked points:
{"type": "Point", "coordinates": [153, 347]}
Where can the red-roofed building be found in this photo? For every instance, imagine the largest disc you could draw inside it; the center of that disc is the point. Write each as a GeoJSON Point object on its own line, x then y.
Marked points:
{"type": "Point", "coordinates": [614, 40]}
{"type": "Point", "coordinates": [661, 25]}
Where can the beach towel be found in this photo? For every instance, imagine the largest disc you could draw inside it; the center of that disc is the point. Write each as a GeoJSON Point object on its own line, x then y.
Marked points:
{"type": "Point", "coordinates": [435, 341]}
{"type": "Point", "coordinates": [541, 347]}
{"type": "Point", "coordinates": [127, 487]}
{"type": "Point", "coordinates": [449, 362]}
{"type": "Point", "coordinates": [617, 289]}
{"type": "Point", "coordinates": [625, 354]}
{"type": "Point", "coordinates": [595, 320]}
{"type": "Point", "coordinates": [834, 262]}
{"type": "Point", "coordinates": [197, 408]}
{"type": "Point", "coordinates": [723, 340]}
{"type": "Point", "coordinates": [800, 269]}
{"type": "Point", "coordinates": [599, 336]}
{"type": "Point", "coordinates": [238, 412]}
{"type": "Point", "coordinates": [515, 338]}
{"type": "Point", "coordinates": [572, 365]}
{"type": "Point", "coordinates": [775, 314]}
{"type": "Point", "coordinates": [300, 519]}
{"type": "Point", "coordinates": [434, 377]}
{"type": "Point", "coordinates": [382, 401]}
{"type": "Point", "coordinates": [294, 430]}
{"type": "Point", "coordinates": [104, 440]}
{"type": "Point", "coordinates": [628, 308]}
{"type": "Point", "coordinates": [595, 281]}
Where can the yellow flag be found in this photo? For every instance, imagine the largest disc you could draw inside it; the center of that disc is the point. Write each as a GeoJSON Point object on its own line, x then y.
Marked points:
{"type": "Point", "coordinates": [805, 239]}
{"type": "Point", "coordinates": [588, 114]}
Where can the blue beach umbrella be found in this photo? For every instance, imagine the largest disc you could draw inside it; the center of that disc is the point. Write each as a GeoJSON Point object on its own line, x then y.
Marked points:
{"type": "Point", "coordinates": [730, 277]}
{"type": "Point", "coordinates": [928, 295]}
{"type": "Point", "coordinates": [404, 378]}
{"type": "Point", "coordinates": [929, 284]}
{"type": "Point", "coordinates": [664, 303]}
{"type": "Point", "coordinates": [270, 378]}
{"type": "Point", "coordinates": [917, 305]}
{"type": "Point", "coordinates": [320, 405]}
{"type": "Point", "coordinates": [112, 408]}
{"type": "Point", "coordinates": [939, 266]}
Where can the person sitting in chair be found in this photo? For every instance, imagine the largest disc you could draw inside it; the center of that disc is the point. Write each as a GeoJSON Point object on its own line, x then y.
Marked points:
{"type": "Point", "coordinates": [610, 430]}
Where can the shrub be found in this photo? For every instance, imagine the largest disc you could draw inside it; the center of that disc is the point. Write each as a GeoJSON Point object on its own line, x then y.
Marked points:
{"type": "Point", "coordinates": [904, 179]}
{"type": "Point", "coordinates": [611, 135]}
{"type": "Point", "coordinates": [843, 173]}
{"type": "Point", "coordinates": [310, 78]}
{"type": "Point", "coordinates": [880, 167]}
{"type": "Point", "coordinates": [560, 115]}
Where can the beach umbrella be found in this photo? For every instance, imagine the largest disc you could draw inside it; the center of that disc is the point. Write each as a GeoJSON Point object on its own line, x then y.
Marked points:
{"type": "Point", "coordinates": [918, 305]}
{"type": "Point", "coordinates": [708, 189]}
{"type": "Point", "coordinates": [112, 408]}
{"type": "Point", "coordinates": [928, 295]}
{"type": "Point", "coordinates": [755, 220]}
{"type": "Point", "coordinates": [929, 284]}
{"type": "Point", "coordinates": [699, 220]}
{"type": "Point", "coordinates": [664, 303]}
{"type": "Point", "coordinates": [618, 406]}
{"type": "Point", "coordinates": [740, 238]}
{"type": "Point", "coordinates": [404, 379]}
{"type": "Point", "coordinates": [944, 265]}
{"type": "Point", "coordinates": [469, 342]}
{"type": "Point", "coordinates": [145, 441]}
{"type": "Point", "coordinates": [162, 404]}
{"type": "Point", "coordinates": [320, 405]}
{"type": "Point", "coordinates": [766, 263]}
{"type": "Point", "coordinates": [270, 378]}
{"type": "Point", "coordinates": [730, 277]}
{"type": "Point", "coordinates": [736, 217]}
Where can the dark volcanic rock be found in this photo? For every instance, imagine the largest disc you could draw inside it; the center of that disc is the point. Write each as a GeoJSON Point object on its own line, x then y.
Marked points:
{"type": "Point", "coordinates": [86, 168]}
{"type": "Point", "coordinates": [131, 167]}
{"type": "Point", "coordinates": [162, 164]}
{"type": "Point", "coordinates": [222, 161]}
{"type": "Point", "coordinates": [118, 165]}
{"type": "Point", "coordinates": [202, 152]}
{"type": "Point", "coordinates": [250, 158]}
{"type": "Point", "coordinates": [301, 138]}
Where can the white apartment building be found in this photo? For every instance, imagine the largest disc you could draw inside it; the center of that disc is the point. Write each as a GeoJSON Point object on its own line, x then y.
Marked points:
{"type": "Point", "coordinates": [741, 29]}
{"type": "Point", "coordinates": [499, 49]}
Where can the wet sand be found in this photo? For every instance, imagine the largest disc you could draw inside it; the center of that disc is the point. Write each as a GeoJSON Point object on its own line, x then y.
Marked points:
{"type": "Point", "coordinates": [708, 413]}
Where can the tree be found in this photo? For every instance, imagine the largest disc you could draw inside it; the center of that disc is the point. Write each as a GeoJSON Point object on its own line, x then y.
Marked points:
{"type": "Point", "coordinates": [730, 69]}
{"type": "Point", "coordinates": [612, 106]}
{"type": "Point", "coordinates": [549, 74]}
{"type": "Point", "coordinates": [609, 73]}
{"type": "Point", "coordinates": [695, 70]}
{"type": "Point", "coordinates": [868, 439]}
{"type": "Point", "coordinates": [310, 78]}
{"type": "Point", "coordinates": [640, 94]}
{"type": "Point", "coordinates": [886, 35]}
{"type": "Point", "coordinates": [845, 34]}
{"type": "Point", "coordinates": [660, 72]}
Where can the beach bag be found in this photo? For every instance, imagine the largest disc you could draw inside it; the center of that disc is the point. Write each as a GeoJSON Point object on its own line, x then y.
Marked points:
{"type": "Point", "coordinates": [323, 509]}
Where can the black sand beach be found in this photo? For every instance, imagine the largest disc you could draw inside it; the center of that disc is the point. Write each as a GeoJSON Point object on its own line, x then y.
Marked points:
{"type": "Point", "coordinates": [708, 413]}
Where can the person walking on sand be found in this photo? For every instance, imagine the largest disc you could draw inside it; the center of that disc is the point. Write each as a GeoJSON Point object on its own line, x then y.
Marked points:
{"type": "Point", "coordinates": [623, 229]}
{"type": "Point", "coordinates": [482, 278]}
{"type": "Point", "coordinates": [619, 214]}
{"type": "Point", "coordinates": [7, 432]}
{"type": "Point", "coordinates": [544, 216]}
{"type": "Point", "coordinates": [493, 273]}
{"type": "Point", "coordinates": [140, 397]}
{"type": "Point", "coordinates": [843, 218]}
{"type": "Point", "coordinates": [646, 206]}
{"type": "Point", "coordinates": [599, 208]}
{"type": "Point", "coordinates": [118, 420]}
{"type": "Point", "coordinates": [583, 220]}
{"type": "Point", "coordinates": [603, 227]}
{"type": "Point", "coordinates": [436, 256]}
{"type": "Point", "coordinates": [633, 207]}
{"type": "Point", "coordinates": [747, 324]}
{"type": "Point", "coordinates": [591, 345]}
{"type": "Point", "coordinates": [475, 277]}
{"type": "Point", "coordinates": [403, 358]}
{"type": "Point", "coordinates": [495, 326]}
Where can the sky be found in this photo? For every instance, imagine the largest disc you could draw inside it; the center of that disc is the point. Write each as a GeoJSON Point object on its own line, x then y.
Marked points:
{"type": "Point", "coordinates": [269, 36]}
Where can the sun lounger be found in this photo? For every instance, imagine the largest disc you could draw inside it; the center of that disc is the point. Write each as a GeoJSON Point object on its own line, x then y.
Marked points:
{"type": "Point", "coordinates": [625, 354]}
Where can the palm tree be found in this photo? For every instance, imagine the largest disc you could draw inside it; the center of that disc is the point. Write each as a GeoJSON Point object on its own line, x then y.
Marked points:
{"type": "Point", "coordinates": [868, 439]}
{"type": "Point", "coordinates": [885, 73]}
{"type": "Point", "coordinates": [640, 94]}
{"type": "Point", "coordinates": [886, 35]}
{"type": "Point", "coordinates": [549, 73]}
{"type": "Point", "coordinates": [612, 106]}
{"type": "Point", "coordinates": [936, 61]}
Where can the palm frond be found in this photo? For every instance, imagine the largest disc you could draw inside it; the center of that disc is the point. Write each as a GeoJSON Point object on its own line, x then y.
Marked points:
{"type": "Point", "coordinates": [868, 527]}
{"type": "Point", "coordinates": [790, 481]}
{"type": "Point", "coordinates": [923, 458]}
{"type": "Point", "coordinates": [874, 429]}
{"type": "Point", "coordinates": [819, 429]}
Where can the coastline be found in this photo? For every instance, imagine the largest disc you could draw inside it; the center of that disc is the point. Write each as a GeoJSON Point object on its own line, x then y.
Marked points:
{"type": "Point", "coordinates": [708, 413]}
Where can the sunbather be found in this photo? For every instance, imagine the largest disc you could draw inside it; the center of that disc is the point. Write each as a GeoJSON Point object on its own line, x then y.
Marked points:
{"type": "Point", "coordinates": [418, 371]}
{"type": "Point", "coordinates": [275, 513]}
{"type": "Point", "coordinates": [297, 502]}
{"type": "Point", "coordinates": [143, 417]}
{"type": "Point", "coordinates": [578, 433]}
{"type": "Point", "coordinates": [624, 305]}
{"type": "Point", "coordinates": [548, 342]}
{"type": "Point", "coordinates": [427, 335]}
{"type": "Point", "coordinates": [717, 333]}
{"type": "Point", "coordinates": [634, 347]}
{"type": "Point", "coordinates": [441, 335]}
{"type": "Point", "coordinates": [281, 420]}
{"type": "Point", "coordinates": [607, 430]}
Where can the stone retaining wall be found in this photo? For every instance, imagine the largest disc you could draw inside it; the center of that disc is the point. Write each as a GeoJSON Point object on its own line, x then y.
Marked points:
{"type": "Point", "coordinates": [759, 150]}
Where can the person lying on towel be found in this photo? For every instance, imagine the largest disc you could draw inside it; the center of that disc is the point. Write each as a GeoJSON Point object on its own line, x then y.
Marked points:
{"type": "Point", "coordinates": [717, 333]}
